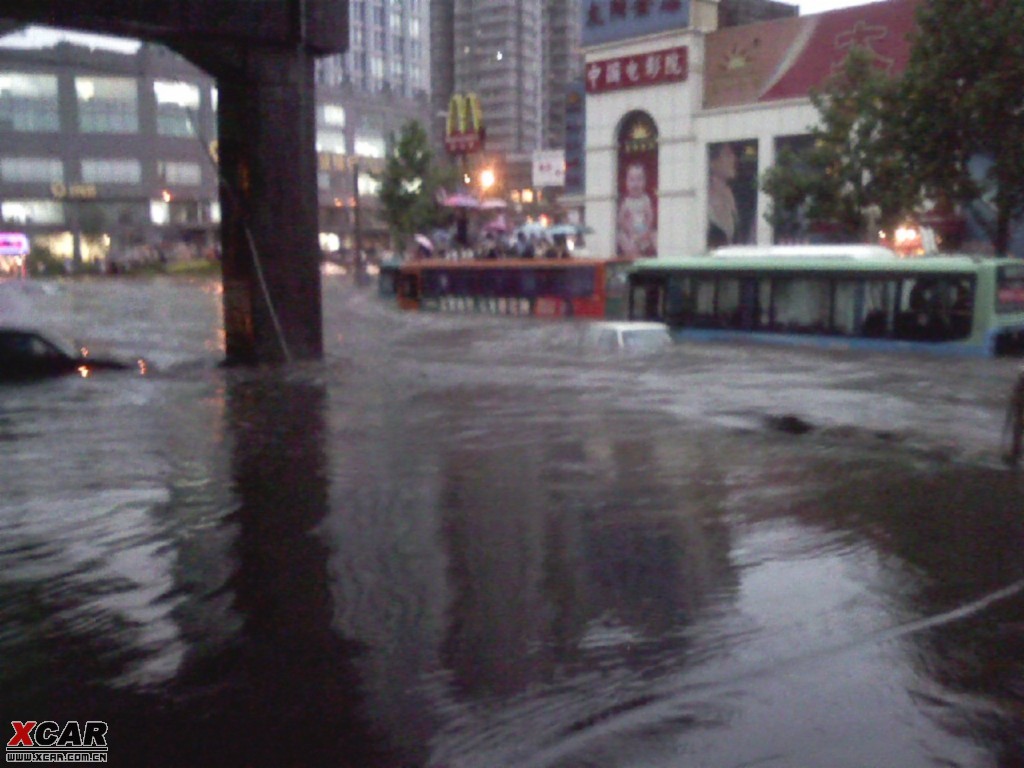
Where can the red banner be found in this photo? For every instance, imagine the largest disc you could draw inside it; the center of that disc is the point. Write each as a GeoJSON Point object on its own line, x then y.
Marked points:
{"type": "Point", "coordinates": [668, 66]}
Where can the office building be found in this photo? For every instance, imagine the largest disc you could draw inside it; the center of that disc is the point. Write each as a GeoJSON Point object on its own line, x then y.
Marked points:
{"type": "Point", "coordinates": [106, 151]}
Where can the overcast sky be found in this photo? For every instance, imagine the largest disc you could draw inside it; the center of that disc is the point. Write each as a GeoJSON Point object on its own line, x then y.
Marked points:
{"type": "Point", "coordinates": [819, 6]}
{"type": "Point", "coordinates": [37, 37]}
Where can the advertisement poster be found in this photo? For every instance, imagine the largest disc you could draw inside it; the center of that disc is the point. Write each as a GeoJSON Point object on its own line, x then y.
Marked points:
{"type": "Point", "coordinates": [732, 193]}
{"type": "Point", "coordinates": [636, 221]}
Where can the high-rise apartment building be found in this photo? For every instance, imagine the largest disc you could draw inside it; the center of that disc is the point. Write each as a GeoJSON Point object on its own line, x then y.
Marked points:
{"type": "Point", "coordinates": [518, 56]}
{"type": "Point", "coordinates": [364, 96]}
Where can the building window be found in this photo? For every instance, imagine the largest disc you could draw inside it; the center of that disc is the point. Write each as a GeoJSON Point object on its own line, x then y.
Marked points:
{"type": "Point", "coordinates": [109, 171]}
{"type": "Point", "coordinates": [107, 104]}
{"type": "Point", "coordinates": [186, 174]}
{"type": "Point", "coordinates": [28, 103]}
{"type": "Point", "coordinates": [32, 212]}
{"type": "Point", "coordinates": [176, 106]}
{"type": "Point", "coordinates": [31, 169]}
{"type": "Point", "coordinates": [331, 141]}
{"type": "Point", "coordinates": [159, 212]}
{"type": "Point", "coordinates": [376, 72]}
{"type": "Point", "coordinates": [370, 144]}
{"type": "Point", "coordinates": [368, 186]}
{"type": "Point", "coordinates": [334, 114]}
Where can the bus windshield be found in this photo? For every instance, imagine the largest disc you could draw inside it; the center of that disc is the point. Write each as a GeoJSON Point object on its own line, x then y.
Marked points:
{"type": "Point", "coordinates": [1010, 289]}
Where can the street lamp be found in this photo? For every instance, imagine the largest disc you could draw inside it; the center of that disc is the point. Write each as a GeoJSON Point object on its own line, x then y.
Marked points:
{"type": "Point", "coordinates": [487, 179]}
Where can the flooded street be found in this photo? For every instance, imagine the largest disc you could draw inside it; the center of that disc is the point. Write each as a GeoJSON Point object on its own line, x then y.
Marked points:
{"type": "Point", "coordinates": [466, 542]}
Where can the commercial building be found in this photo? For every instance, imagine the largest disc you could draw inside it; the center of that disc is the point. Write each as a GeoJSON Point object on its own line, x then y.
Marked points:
{"type": "Point", "coordinates": [682, 116]}
{"type": "Point", "coordinates": [107, 153]}
{"type": "Point", "coordinates": [104, 152]}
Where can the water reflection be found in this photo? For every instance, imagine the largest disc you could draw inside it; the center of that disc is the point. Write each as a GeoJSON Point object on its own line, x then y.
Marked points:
{"type": "Point", "coordinates": [284, 684]}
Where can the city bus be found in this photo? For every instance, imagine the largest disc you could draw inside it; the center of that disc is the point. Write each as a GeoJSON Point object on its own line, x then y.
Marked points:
{"type": "Point", "coordinates": [587, 288]}
{"type": "Point", "coordinates": [837, 296]}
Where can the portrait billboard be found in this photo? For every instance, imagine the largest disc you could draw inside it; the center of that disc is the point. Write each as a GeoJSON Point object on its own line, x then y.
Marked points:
{"type": "Point", "coordinates": [636, 221]}
{"type": "Point", "coordinates": [732, 193]}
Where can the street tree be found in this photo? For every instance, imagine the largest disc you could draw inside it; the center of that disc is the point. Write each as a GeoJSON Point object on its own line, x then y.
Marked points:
{"type": "Point", "coordinates": [849, 179]}
{"type": "Point", "coordinates": [409, 184]}
{"type": "Point", "coordinates": [963, 108]}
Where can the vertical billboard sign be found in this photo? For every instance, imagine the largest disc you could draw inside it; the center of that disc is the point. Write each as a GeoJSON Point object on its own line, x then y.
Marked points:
{"type": "Point", "coordinates": [732, 193]}
{"type": "Point", "coordinates": [636, 221]}
{"type": "Point", "coordinates": [575, 138]}
{"type": "Point", "coordinates": [606, 21]}
{"type": "Point", "coordinates": [549, 168]}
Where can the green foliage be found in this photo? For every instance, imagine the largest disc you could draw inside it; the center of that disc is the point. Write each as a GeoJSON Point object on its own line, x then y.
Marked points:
{"type": "Point", "coordinates": [409, 184]}
{"type": "Point", "coordinates": [962, 98]}
{"type": "Point", "coordinates": [853, 175]}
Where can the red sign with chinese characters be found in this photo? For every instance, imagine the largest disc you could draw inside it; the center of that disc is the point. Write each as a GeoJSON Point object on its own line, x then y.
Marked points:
{"type": "Point", "coordinates": [654, 68]}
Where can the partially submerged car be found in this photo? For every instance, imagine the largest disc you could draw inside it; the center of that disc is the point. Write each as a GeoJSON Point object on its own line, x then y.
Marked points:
{"type": "Point", "coordinates": [628, 336]}
{"type": "Point", "coordinates": [28, 354]}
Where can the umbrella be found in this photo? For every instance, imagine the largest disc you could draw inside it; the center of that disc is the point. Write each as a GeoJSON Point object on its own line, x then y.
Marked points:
{"type": "Point", "coordinates": [570, 230]}
{"type": "Point", "coordinates": [532, 228]}
{"type": "Point", "coordinates": [460, 200]}
{"type": "Point", "coordinates": [424, 242]}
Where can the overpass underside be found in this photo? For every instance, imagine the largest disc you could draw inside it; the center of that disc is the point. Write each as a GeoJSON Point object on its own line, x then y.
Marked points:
{"type": "Point", "coordinates": [262, 55]}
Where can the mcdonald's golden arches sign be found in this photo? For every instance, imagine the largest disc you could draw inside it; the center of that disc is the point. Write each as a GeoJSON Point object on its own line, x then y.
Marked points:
{"type": "Point", "coordinates": [464, 131]}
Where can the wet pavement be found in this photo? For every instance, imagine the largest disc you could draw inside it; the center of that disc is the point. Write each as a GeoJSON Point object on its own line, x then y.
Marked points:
{"type": "Point", "coordinates": [465, 541]}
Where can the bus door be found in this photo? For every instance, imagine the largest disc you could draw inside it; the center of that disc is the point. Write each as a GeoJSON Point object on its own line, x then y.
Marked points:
{"type": "Point", "coordinates": [407, 286]}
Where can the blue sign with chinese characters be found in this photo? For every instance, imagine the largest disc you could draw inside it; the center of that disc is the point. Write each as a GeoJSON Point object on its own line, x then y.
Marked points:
{"type": "Point", "coordinates": [575, 138]}
{"type": "Point", "coordinates": [606, 21]}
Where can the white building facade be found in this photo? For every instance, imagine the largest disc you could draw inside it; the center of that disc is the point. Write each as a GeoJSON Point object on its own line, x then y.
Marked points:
{"type": "Point", "coordinates": [703, 136]}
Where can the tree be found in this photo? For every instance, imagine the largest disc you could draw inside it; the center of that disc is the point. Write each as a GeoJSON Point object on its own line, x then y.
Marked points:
{"type": "Point", "coordinates": [851, 178]}
{"type": "Point", "coordinates": [963, 106]}
{"type": "Point", "coordinates": [409, 184]}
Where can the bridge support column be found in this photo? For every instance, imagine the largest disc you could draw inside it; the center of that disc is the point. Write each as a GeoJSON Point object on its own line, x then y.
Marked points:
{"type": "Point", "coordinates": [269, 222]}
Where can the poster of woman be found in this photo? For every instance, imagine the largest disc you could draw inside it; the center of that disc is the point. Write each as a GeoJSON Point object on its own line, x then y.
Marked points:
{"type": "Point", "coordinates": [732, 193]}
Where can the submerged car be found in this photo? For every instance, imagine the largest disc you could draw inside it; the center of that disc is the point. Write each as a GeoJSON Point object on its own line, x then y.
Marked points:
{"type": "Point", "coordinates": [27, 354]}
{"type": "Point", "coordinates": [628, 336]}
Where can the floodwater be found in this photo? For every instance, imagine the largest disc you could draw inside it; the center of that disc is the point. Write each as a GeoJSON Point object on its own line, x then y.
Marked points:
{"type": "Point", "coordinates": [464, 542]}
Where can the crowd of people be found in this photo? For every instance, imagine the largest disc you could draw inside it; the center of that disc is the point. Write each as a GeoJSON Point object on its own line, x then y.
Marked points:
{"type": "Point", "coordinates": [495, 245]}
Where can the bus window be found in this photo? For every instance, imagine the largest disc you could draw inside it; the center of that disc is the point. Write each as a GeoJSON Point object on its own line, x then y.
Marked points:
{"type": "Point", "coordinates": [863, 307]}
{"type": "Point", "coordinates": [744, 303]}
{"type": "Point", "coordinates": [728, 305]}
{"type": "Point", "coordinates": [761, 298]}
{"type": "Point", "coordinates": [582, 282]}
{"type": "Point", "coordinates": [935, 308]}
{"type": "Point", "coordinates": [679, 301]}
{"type": "Point", "coordinates": [801, 305]}
{"type": "Point", "coordinates": [704, 291]}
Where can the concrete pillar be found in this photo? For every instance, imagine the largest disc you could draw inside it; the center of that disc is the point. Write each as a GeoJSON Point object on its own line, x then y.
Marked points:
{"type": "Point", "coordinates": [271, 253]}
